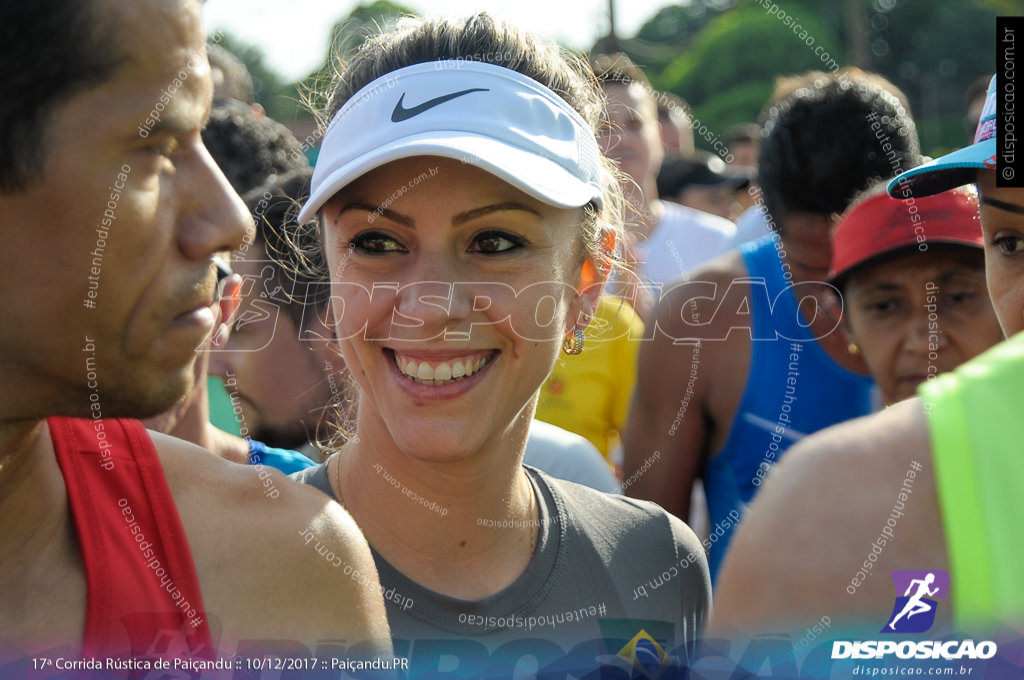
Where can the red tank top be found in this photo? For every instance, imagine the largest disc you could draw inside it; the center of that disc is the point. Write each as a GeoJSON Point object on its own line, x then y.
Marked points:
{"type": "Point", "coordinates": [143, 593]}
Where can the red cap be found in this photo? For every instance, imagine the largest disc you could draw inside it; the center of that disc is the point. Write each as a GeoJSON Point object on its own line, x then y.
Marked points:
{"type": "Point", "coordinates": [880, 225]}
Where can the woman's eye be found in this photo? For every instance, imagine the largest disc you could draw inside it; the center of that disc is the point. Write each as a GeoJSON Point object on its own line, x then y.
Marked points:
{"type": "Point", "coordinates": [493, 242]}
{"type": "Point", "coordinates": [959, 296]}
{"type": "Point", "coordinates": [1010, 245]}
{"type": "Point", "coordinates": [376, 242]}
{"type": "Point", "coordinates": [880, 307]}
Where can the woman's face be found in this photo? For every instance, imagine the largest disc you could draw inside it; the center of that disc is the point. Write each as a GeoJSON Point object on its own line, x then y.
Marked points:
{"type": "Point", "coordinates": [1002, 221]}
{"type": "Point", "coordinates": [452, 291]}
{"type": "Point", "coordinates": [918, 316]}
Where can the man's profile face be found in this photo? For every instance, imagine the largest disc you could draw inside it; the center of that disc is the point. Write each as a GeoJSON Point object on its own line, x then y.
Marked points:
{"type": "Point", "coordinates": [108, 252]}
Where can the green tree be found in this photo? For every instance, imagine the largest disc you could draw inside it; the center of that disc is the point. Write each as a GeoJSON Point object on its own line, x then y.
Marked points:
{"type": "Point", "coordinates": [273, 93]}
{"type": "Point", "coordinates": [347, 35]}
{"type": "Point", "coordinates": [362, 22]}
{"type": "Point", "coordinates": [728, 73]}
{"type": "Point", "coordinates": [285, 101]}
{"type": "Point", "coordinates": [931, 50]}
{"type": "Point", "coordinates": [670, 32]}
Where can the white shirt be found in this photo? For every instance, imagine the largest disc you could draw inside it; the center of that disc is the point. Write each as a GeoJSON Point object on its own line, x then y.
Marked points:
{"type": "Point", "coordinates": [683, 239]}
{"type": "Point", "coordinates": [751, 225]}
{"type": "Point", "coordinates": [568, 456]}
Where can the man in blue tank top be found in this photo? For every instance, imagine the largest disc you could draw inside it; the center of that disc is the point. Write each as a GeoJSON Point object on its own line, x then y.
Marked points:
{"type": "Point", "coordinates": [743, 360]}
{"type": "Point", "coordinates": [935, 480]}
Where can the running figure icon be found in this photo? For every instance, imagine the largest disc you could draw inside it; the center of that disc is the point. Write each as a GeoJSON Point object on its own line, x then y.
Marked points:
{"type": "Point", "coordinates": [915, 605]}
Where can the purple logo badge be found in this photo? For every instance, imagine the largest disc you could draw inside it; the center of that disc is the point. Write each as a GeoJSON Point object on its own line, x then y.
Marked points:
{"type": "Point", "coordinates": [915, 607]}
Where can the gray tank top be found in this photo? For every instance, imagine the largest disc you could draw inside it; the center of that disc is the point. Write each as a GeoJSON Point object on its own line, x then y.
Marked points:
{"type": "Point", "coordinates": [589, 586]}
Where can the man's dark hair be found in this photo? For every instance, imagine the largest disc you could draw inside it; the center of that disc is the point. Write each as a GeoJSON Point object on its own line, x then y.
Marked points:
{"type": "Point", "coordinates": [49, 51]}
{"type": "Point", "coordinates": [831, 137]}
{"type": "Point", "coordinates": [231, 78]}
{"type": "Point", "coordinates": [251, 148]}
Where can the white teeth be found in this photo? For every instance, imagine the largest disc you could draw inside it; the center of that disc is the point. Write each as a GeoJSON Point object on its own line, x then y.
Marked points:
{"type": "Point", "coordinates": [425, 372]}
{"type": "Point", "coordinates": [441, 374]}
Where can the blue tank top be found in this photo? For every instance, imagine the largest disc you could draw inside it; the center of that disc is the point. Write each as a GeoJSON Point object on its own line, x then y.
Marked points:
{"type": "Point", "coordinates": [285, 460]}
{"type": "Point", "coordinates": [794, 389]}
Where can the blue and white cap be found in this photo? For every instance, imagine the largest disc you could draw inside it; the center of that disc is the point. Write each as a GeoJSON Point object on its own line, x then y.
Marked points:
{"type": "Point", "coordinates": [957, 168]}
{"type": "Point", "coordinates": [489, 116]}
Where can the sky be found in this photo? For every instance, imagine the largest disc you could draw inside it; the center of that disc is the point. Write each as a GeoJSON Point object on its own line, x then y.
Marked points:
{"type": "Point", "coordinates": [293, 33]}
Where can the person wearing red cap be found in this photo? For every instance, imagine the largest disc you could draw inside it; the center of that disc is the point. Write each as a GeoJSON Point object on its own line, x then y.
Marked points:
{"type": "Point", "coordinates": [930, 483]}
{"type": "Point", "coordinates": [912, 279]}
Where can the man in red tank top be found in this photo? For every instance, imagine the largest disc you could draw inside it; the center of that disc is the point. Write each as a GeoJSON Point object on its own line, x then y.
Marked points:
{"type": "Point", "coordinates": [114, 540]}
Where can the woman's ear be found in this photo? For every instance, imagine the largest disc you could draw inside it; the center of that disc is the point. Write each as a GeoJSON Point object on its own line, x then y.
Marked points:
{"type": "Point", "coordinates": [590, 277]}
{"type": "Point", "coordinates": [845, 327]}
{"type": "Point", "coordinates": [593, 277]}
{"type": "Point", "coordinates": [596, 273]}
{"type": "Point", "coordinates": [591, 287]}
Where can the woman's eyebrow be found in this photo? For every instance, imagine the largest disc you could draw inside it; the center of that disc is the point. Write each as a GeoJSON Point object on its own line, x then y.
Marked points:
{"type": "Point", "coordinates": [487, 209]}
{"type": "Point", "coordinates": [1003, 205]}
{"type": "Point", "coordinates": [407, 221]}
{"type": "Point", "coordinates": [404, 220]}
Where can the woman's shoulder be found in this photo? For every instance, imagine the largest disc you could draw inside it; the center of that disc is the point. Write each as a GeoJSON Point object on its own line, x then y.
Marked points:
{"type": "Point", "coordinates": [620, 520]}
{"type": "Point", "coordinates": [639, 544]}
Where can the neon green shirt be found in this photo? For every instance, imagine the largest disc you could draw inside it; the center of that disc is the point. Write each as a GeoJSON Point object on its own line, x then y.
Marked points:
{"type": "Point", "coordinates": [979, 475]}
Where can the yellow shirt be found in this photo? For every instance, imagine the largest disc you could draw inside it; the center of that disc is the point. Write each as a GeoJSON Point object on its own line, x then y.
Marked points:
{"type": "Point", "coordinates": [589, 393]}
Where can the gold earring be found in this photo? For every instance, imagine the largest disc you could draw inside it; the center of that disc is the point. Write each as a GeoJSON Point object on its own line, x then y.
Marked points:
{"type": "Point", "coordinates": [852, 348]}
{"type": "Point", "coordinates": [573, 342]}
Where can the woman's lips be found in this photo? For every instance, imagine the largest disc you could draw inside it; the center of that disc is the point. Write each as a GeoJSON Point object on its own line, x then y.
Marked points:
{"type": "Point", "coordinates": [436, 371]}
{"type": "Point", "coordinates": [428, 382]}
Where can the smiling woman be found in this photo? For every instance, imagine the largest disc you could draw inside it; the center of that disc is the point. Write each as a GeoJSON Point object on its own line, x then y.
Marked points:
{"type": "Point", "coordinates": [467, 218]}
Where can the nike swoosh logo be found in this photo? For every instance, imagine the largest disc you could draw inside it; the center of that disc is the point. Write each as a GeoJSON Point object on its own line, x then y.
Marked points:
{"type": "Point", "coordinates": [401, 113]}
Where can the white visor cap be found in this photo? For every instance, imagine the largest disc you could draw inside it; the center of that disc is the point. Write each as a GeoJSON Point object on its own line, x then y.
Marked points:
{"type": "Point", "coordinates": [489, 116]}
